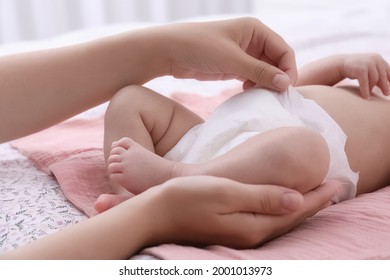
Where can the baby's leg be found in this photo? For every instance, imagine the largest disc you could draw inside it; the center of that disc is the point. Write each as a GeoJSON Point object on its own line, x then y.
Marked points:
{"type": "Point", "coordinates": [294, 157]}
{"type": "Point", "coordinates": [152, 120]}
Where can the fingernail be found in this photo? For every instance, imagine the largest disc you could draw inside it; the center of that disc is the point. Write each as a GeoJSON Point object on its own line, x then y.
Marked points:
{"type": "Point", "coordinates": [336, 186]}
{"type": "Point", "coordinates": [281, 81]}
{"type": "Point", "coordinates": [292, 201]}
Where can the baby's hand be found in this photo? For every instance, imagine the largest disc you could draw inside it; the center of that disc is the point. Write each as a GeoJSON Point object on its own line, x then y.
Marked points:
{"type": "Point", "coordinates": [370, 70]}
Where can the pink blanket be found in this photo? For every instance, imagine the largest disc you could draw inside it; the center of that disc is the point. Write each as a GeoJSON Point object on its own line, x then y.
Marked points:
{"type": "Point", "coordinates": [73, 153]}
{"type": "Point", "coordinates": [354, 229]}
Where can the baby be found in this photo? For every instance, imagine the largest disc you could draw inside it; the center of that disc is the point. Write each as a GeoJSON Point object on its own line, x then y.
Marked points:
{"type": "Point", "coordinates": [312, 132]}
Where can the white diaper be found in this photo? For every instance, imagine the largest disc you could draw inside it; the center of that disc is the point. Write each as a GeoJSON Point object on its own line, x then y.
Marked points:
{"type": "Point", "coordinates": [258, 110]}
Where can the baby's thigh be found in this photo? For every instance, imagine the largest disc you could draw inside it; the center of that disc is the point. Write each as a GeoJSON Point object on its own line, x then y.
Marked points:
{"type": "Point", "coordinates": [144, 116]}
{"type": "Point", "coordinates": [175, 123]}
{"type": "Point", "coordinates": [165, 119]}
{"type": "Point", "coordinates": [295, 157]}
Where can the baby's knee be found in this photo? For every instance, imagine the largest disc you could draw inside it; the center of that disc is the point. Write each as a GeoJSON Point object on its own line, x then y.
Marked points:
{"type": "Point", "coordinates": [128, 96]}
{"type": "Point", "coordinates": [127, 102]}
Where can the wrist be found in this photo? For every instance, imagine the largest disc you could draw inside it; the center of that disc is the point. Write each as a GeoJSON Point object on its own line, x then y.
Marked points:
{"type": "Point", "coordinates": [164, 214]}
{"type": "Point", "coordinates": [340, 61]}
{"type": "Point", "coordinates": [154, 47]}
{"type": "Point", "coordinates": [133, 228]}
{"type": "Point", "coordinates": [133, 57]}
{"type": "Point", "coordinates": [151, 226]}
{"type": "Point", "coordinates": [167, 45]}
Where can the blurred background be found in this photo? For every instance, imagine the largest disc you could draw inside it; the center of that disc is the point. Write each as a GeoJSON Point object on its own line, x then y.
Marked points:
{"type": "Point", "coordinates": [39, 19]}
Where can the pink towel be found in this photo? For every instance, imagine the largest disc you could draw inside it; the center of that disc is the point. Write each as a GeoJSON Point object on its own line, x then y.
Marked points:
{"type": "Point", "coordinates": [73, 152]}
{"type": "Point", "coordinates": [354, 229]}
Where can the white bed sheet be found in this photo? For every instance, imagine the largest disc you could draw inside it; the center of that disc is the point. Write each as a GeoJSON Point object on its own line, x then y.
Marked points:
{"type": "Point", "coordinates": [32, 204]}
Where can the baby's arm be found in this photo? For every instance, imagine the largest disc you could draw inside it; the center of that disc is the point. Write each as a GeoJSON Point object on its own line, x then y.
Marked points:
{"type": "Point", "coordinates": [325, 71]}
{"type": "Point", "coordinates": [369, 69]}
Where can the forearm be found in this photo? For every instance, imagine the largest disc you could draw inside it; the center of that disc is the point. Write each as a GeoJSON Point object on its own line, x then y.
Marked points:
{"type": "Point", "coordinates": [41, 88]}
{"type": "Point", "coordinates": [326, 71]}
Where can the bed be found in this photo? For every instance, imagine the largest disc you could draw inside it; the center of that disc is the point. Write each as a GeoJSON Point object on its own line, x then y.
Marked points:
{"type": "Point", "coordinates": [33, 204]}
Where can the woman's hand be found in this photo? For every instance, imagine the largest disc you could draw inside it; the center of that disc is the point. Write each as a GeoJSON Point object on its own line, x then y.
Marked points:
{"type": "Point", "coordinates": [241, 48]}
{"type": "Point", "coordinates": [211, 210]}
{"type": "Point", "coordinates": [369, 69]}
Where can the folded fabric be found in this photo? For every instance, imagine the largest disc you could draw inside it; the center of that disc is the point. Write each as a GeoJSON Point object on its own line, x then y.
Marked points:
{"type": "Point", "coordinates": [73, 152]}
{"type": "Point", "coordinates": [62, 141]}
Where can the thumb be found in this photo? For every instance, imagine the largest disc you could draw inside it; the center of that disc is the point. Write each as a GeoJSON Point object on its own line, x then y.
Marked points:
{"type": "Point", "coordinates": [265, 199]}
{"type": "Point", "coordinates": [263, 74]}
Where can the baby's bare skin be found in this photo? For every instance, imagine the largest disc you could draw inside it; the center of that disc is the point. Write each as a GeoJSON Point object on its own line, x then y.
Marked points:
{"type": "Point", "coordinates": [366, 123]}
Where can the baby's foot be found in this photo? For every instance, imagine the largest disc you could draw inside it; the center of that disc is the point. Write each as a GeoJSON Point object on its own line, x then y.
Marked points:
{"type": "Point", "coordinates": [136, 169]}
{"type": "Point", "coordinates": [107, 201]}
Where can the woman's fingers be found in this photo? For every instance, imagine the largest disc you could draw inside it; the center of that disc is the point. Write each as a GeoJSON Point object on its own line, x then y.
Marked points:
{"type": "Point", "coordinates": [262, 199]}
{"type": "Point", "coordinates": [252, 228]}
